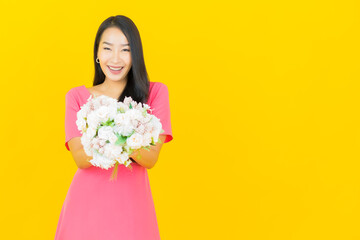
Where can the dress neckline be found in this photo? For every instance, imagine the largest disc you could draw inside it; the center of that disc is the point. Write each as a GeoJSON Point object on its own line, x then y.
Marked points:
{"type": "Point", "coordinates": [91, 94]}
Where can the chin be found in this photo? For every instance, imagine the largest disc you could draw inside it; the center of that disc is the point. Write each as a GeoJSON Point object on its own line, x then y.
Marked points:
{"type": "Point", "coordinates": [116, 79]}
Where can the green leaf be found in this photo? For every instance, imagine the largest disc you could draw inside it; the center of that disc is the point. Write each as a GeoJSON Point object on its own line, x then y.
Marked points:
{"type": "Point", "coordinates": [109, 122]}
{"type": "Point", "coordinates": [130, 106]}
{"type": "Point", "coordinates": [121, 140]}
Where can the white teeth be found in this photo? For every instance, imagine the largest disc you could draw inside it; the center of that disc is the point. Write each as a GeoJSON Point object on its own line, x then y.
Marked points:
{"type": "Point", "coordinates": [116, 69]}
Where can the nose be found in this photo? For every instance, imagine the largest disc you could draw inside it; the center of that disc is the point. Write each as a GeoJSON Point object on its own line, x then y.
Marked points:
{"type": "Point", "coordinates": [117, 57]}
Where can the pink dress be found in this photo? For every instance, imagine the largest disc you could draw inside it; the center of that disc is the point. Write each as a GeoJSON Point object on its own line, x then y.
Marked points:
{"type": "Point", "coordinates": [96, 208]}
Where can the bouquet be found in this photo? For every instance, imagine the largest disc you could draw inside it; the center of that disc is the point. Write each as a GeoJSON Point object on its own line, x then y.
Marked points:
{"type": "Point", "coordinates": [112, 130]}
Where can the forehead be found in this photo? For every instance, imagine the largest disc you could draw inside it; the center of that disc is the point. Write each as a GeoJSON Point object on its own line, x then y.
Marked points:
{"type": "Point", "coordinates": [113, 36]}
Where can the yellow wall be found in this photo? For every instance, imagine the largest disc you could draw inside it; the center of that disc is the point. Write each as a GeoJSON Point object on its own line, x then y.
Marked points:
{"type": "Point", "coordinates": [264, 102]}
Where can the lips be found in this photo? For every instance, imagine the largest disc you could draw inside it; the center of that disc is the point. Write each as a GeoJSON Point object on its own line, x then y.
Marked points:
{"type": "Point", "coordinates": [115, 71]}
{"type": "Point", "coordinates": [115, 68]}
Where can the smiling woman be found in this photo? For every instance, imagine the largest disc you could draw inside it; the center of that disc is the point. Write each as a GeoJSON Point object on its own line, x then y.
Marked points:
{"type": "Point", "coordinates": [94, 207]}
{"type": "Point", "coordinates": [114, 54]}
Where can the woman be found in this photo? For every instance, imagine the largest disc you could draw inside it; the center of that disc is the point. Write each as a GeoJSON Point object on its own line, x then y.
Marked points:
{"type": "Point", "coordinates": [96, 208]}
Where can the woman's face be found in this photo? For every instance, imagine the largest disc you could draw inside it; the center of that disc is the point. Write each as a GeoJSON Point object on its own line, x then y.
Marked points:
{"type": "Point", "coordinates": [114, 52]}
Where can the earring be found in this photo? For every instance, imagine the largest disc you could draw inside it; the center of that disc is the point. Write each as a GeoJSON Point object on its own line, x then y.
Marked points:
{"type": "Point", "coordinates": [97, 60]}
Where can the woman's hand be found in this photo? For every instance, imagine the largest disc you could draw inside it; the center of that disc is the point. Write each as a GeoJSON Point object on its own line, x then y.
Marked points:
{"type": "Point", "coordinates": [134, 154]}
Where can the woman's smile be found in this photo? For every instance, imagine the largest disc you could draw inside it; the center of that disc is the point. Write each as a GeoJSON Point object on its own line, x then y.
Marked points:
{"type": "Point", "coordinates": [114, 70]}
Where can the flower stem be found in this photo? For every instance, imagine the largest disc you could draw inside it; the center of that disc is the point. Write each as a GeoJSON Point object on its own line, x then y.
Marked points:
{"type": "Point", "coordinates": [114, 173]}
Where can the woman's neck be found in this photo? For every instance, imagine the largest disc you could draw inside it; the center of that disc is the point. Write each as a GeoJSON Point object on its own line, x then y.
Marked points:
{"type": "Point", "coordinates": [112, 88]}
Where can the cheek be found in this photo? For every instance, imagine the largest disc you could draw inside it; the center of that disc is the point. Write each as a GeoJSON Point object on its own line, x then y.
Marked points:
{"type": "Point", "coordinates": [104, 55]}
{"type": "Point", "coordinates": [126, 56]}
{"type": "Point", "coordinates": [129, 60]}
{"type": "Point", "coordinates": [101, 55]}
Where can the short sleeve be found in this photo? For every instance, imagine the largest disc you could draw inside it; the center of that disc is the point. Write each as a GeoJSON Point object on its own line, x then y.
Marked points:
{"type": "Point", "coordinates": [72, 106]}
{"type": "Point", "coordinates": [161, 109]}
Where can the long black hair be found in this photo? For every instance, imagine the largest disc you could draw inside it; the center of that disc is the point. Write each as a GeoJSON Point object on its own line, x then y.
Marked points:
{"type": "Point", "coordinates": [137, 86]}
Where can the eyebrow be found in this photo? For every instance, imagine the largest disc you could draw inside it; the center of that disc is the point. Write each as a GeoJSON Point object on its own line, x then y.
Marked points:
{"type": "Point", "coordinates": [126, 44]}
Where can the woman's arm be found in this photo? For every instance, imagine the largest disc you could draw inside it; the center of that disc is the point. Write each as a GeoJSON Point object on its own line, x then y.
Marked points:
{"type": "Point", "coordinates": [78, 153]}
{"type": "Point", "coordinates": [147, 159]}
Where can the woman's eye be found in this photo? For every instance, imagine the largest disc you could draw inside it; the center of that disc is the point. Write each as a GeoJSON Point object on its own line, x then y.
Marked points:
{"type": "Point", "coordinates": [123, 49]}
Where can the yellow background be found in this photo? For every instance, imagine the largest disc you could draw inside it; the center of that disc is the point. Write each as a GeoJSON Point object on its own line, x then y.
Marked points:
{"type": "Point", "coordinates": [264, 100]}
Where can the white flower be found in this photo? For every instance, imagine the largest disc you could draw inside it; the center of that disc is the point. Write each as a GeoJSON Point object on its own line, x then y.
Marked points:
{"type": "Point", "coordinates": [133, 114]}
{"type": "Point", "coordinates": [113, 138]}
{"type": "Point", "coordinates": [127, 162]}
{"type": "Point", "coordinates": [102, 161]}
{"type": "Point", "coordinates": [146, 139]}
{"type": "Point", "coordinates": [122, 106]}
{"type": "Point", "coordinates": [93, 120]}
{"type": "Point", "coordinates": [146, 107]}
{"type": "Point", "coordinates": [122, 157]}
{"type": "Point", "coordinates": [97, 143]}
{"type": "Point", "coordinates": [126, 130]}
{"type": "Point", "coordinates": [81, 124]}
{"type": "Point", "coordinates": [105, 132]}
{"type": "Point", "coordinates": [88, 151]}
{"type": "Point", "coordinates": [113, 151]}
{"type": "Point", "coordinates": [140, 128]}
{"type": "Point", "coordinates": [85, 140]}
{"type": "Point", "coordinates": [123, 125]}
{"type": "Point", "coordinates": [126, 148]}
{"type": "Point", "coordinates": [120, 119]}
{"type": "Point", "coordinates": [146, 119]}
{"type": "Point", "coordinates": [127, 100]}
{"type": "Point", "coordinates": [96, 146]}
{"type": "Point", "coordinates": [156, 138]}
{"type": "Point", "coordinates": [138, 107]}
{"type": "Point", "coordinates": [103, 100]}
{"type": "Point", "coordinates": [135, 141]}
{"type": "Point", "coordinates": [105, 113]}
{"type": "Point", "coordinates": [102, 142]}
{"type": "Point", "coordinates": [101, 150]}
{"type": "Point", "coordinates": [82, 113]}
{"type": "Point", "coordinates": [90, 132]}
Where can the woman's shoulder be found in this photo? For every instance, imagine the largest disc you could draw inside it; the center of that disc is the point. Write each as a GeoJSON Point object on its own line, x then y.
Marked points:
{"type": "Point", "coordinates": [157, 84]}
{"type": "Point", "coordinates": [75, 90]}
{"type": "Point", "coordinates": [156, 87]}
{"type": "Point", "coordinates": [158, 90]}
{"type": "Point", "coordinates": [76, 95]}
